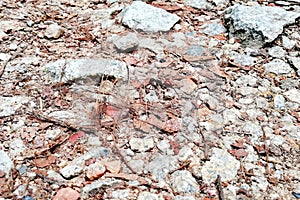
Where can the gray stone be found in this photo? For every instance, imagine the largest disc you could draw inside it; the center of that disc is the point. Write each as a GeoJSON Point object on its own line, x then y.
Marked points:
{"type": "Point", "coordinates": [97, 185]}
{"type": "Point", "coordinates": [277, 52]}
{"type": "Point", "coordinates": [142, 16]}
{"type": "Point", "coordinates": [161, 166]}
{"type": "Point", "coordinates": [183, 182]}
{"type": "Point", "coordinates": [141, 144]}
{"type": "Point", "coordinates": [214, 29]}
{"type": "Point", "coordinates": [252, 129]}
{"type": "Point", "coordinates": [277, 67]}
{"type": "Point", "coordinates": [287, 43]}
{"type": "Point", "coordinates": [127, 43]}
{"type": "Point", "coordinates": [54, 31]}
{"type": "Point", "coordinates": [246, 90]}
{"type": "Point", "coordinates": [5, 56]}
{"type": "Point", "coordinates": [295, 61]}
{"type": "Point", "coordinates": [221, 163]}
{"type": "Point", "coordinates": [85, 69]}
{"type": "Point", "coordinates": [194, 51]}
{"type": "Point", "coordinates": [165, 147]}
{"type": "Point", "coordinates": [200, 4]}
{"type": "Point", "coordinates": [258, 25]}
{"type": "Point", "coordinates": [293, 95]}
{"type": "Point", "coordinates": [244, 60]}
{"type": "Point", "coordinates": [16, 147]}
{"type": "Point", "coordinates": [71, 171]}
{"type": "Point", "coordinates": [120, 194]}
{"type": "Point", "coordinates": [184, 198]}
{"type": "Point", "coordinates": [136, 165]}
{"type": "Point", "coordinates": [9, 105]}
{"type": "Point", "coordinates": [3, 36]}
{"type": "Point", "coordinates": [56, 177]}
{"type": "Point", "coordinates": [6, 163]}
{"type": "Point", "coordinates": [246, 80]}
{"type": "Point", "coordinates": [147, 196]}
{"type": "Point", "coordinates": [279, 102]}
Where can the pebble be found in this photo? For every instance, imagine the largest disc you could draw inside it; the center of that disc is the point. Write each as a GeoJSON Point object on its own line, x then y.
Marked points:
{"type": "Point", "coordinates": [9, 105]}
{"type": "Point", "coordinates": [16, 147]}
{"type": "Point", "coordinates": [54, 31]}
{"type": "Point", "coordinates": [165, 147]}
{"type": "Point", "coordinates": [113, 166]}
{"type": "Point", "coordinates": [120, 194]}
{"type": "Point", "coordinates": [279, 102]}
{"type": "Point", "coordinates": [199, 4]}
{"type": "Point", "coordinates": [141, 144]}
{"type": "Point", "coordinates": [6, 163]}
{"type": "Point", "coordinates": [147, 196]}
{"type": "Point", "coordinates": [277, 67]}
{"type": "Point", "coordinates": [287, 43]}
{"type": "Point", "coordinates": [214, 29]}
{"type": "Point", "coordinates": [293, 95]}
{"type": "Point", "coordinates": [160, 166]}
{"type": "Point", "coordinates": [127, 43]}
{"type": "Point", "coordinates": [97, 185]}
{"type": "Point", "coordinates": [95, 171]}
{"type": "Point", "coordinates": [221, 163]}
{"type": "Point", "coordinates": [66, 193]}
{"type": "Point", "coordinates": [142, 16]}
{"type": "Point", "coordinates": [70, 171]}
{"type": "Point", "coordinates": [183, 182]}
{"type": "Point", "coordinates": [85, 69]}
{"type": "Point", "coordinates": [277, 52]}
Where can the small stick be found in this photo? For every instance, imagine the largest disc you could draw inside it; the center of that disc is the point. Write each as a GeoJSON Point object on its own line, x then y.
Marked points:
{"type": "Point", "coordinates": [220, 188]}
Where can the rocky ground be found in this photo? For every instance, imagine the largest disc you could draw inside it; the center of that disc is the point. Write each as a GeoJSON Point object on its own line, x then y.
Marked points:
{"type": "Point", "coordinates": [180, 99]}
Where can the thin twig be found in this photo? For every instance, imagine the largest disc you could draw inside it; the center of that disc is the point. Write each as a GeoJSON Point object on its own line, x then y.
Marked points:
{"type": "Point", "coordinates": [220, 188]}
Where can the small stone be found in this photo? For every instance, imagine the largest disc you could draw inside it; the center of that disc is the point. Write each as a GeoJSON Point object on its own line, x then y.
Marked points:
{"type": "Point", "coordinates": [6, 164]}
{"type": "Point", "coordinates": [165, 147]}
{"type": "Point", "coordinates": [16, 147]}
{"type": "Point", "coordinates": [222, 163]}
{"type": "Point", "coordinates": [27, 198]}
{"type": "Point", "coordinates": [142, 16]}
{"type": "Point", "coordinates": [187, 86]}
{"type": "Point", "coordinates": [141, 145]}
{"type": "Point", "coordinates": [127, 43]}
{"type": "Point", "coordinates": [183, 182]}
{"type": "Point", "coordinates": [95, 171]}
{"type": "Point", "coordinates": [147, 196]}
{"type": "Point", "coordinates": [54, 31]}
{"type": "Point", "coordinates": [199, 4]}
{"type": "Point", "coordinates": [113, 166]}
{"type": "Point", "coordinates": [3, 35]}
{"type": "Point", "coordinates": [70, 171]}
{"type": "Point", "coordinates": [66, 194]}
{"type": "Point", "coordinates": [120, 194]}
{"type": "Point", "coordinates": [276, 52]}
{"type": "Point", "coordinates": [97, 185]}
{"type": "Point", "coordinates": [244, 60]}
{"type": "Point", "coordinates": [293, 95]}
{"type": "Point", "coordinates": [277, 67]}
{"type": "Point", "coordinates": [279, 102]}
{"type": "Point", "coordinates": [295, 61]}
{"type": "Point", "coordinates": [287, 43]}
{"type": "Point", "coordinates": [160, 166]}
{"type": "Point", "coordinates": [9, 105]}
{"type": "Point", "coordinates": [214, 29]}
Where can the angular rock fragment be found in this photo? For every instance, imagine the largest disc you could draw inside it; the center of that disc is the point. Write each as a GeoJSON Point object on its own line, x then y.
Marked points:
{"type": "Point", "coordinates": [9, 105]}
{"type": "Point", "coordinates": [70, 171]}
{"type": "Point", "coordinates": [142, 16]}
{"type": "Point", "coordinates": [6, 163]}
{"type": "Point", "coordinates": [278, 67]}
{"type": "Point", "coordinates": [222, 163]}
{"type": "Point", "coordinates": [54, 31]}
{"type": "Point", "coordinates": [85, 69]}
{"type": "Point", "coordinates": [66, 193]}
{"type": "Point", "coordinates": [258, 25]}
{"type": "Point", "coordinates": [183, 182]}
{"type": "Point", "coordinates": [199, 4]}
{"type": "Point", "coordinates": [127, 43]}
{"type": "Point", "coordinates": [97, 185]}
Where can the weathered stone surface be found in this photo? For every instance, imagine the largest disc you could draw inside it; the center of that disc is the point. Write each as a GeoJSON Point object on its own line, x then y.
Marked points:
{"type": "Point", "coordinates": [183, 182]}
{"type": "Point", "coordinates": [6, 163]}
{"type": "Point", "coordinates": [200, 4]}
{"type": "Point", "coordinates": [141, 144]}
{"type": "Point", "coordinates": [278, 67]}
{"type": "Point", "coordinates": [70, 171]}
{"type": "Point", "coordinates": [142, 16]}
{"type": "Point", "coordinates": [293, 95]}
{"type": "Point", "coordinates": [221, 163]}
{"type": "Point", "coordinates": [258, 25]}
{"type": "Point", "coordinates": [96, 185]}
{"type": "Point", "coordinates": [127, 43]}
{"type": "Point", "coordinates": [214, 29]}
{"type": "Point", "coordinates": [276, 52]}
{"type": "Point", "coordinates": [9, 105]}
{"type": "Point", "coordinates": [161, 166]}
{"type": "Point", "coordinates": [279, 102]}
{"type": "Point", "coordinates": [54, 31]}
{"type": "Point", "coordinates": [66, 193]}
{"type": "Point", "coordinates": [85, 69]}
{"type": "Point", "coordinates": [147, 196]}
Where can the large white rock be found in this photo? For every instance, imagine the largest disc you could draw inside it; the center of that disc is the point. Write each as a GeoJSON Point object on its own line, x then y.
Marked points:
{"type": "Point", "coordinates": [142, 16]}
